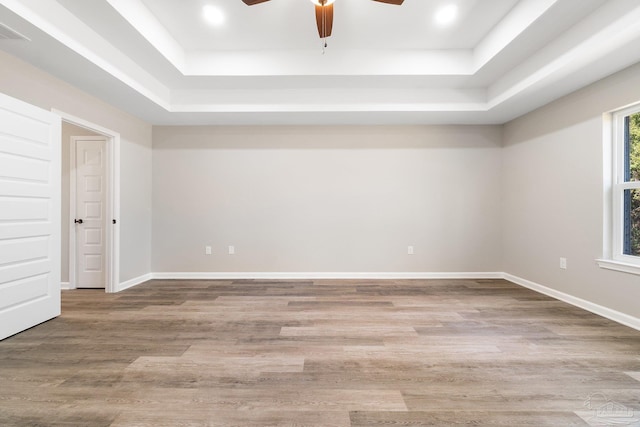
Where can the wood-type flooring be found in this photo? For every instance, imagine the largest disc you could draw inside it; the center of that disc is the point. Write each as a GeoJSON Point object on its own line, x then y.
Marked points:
{"type": "Point", "coordinates": [320, 353]}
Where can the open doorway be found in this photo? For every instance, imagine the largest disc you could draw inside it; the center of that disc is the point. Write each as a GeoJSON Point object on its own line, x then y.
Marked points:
{"type": "Point", "coordinates": [90, 205]}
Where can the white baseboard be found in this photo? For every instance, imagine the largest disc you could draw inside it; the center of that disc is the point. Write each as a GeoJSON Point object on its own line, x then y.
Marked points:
{"type": "Point", "coordinates": [309, 275]}
{"type": "Point", "coordinates": [133, 282]}
{"type": "Point", "coordinates": [65, 286]}
{"type": "Point", "coordinates": [616, 316]}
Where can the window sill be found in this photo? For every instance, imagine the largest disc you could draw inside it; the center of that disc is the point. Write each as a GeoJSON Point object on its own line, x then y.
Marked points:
{"type": "Point", "coordinates": [619, 266]}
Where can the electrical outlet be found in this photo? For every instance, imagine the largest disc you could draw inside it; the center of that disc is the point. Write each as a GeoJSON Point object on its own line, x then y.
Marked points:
{"type": "Point", "coordinates": [563, 263]}
{"type": "Point", "coordinates": [232, 250]}
{"type": "Point", "coordinates": [207, 250]}
{"type": "Point", "coordinates": [409, 250]}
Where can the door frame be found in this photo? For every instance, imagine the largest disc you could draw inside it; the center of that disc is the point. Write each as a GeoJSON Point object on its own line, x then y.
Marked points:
{"type": "Point", "coordinates": [112, 234]}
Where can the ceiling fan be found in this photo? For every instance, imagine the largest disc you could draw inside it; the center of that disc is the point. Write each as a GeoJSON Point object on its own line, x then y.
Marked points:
{"type": "Point", "coordinates": [324, 13]}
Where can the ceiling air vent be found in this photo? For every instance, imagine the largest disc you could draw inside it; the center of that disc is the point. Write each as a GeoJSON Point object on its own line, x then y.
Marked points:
{"type": "Point", "coordinates": [7, 33]}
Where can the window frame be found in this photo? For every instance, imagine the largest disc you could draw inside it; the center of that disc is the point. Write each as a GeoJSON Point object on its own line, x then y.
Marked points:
{"type": "Point", "coordinates": [614, 257]}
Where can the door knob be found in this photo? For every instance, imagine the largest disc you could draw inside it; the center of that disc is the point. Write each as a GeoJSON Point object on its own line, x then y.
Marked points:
{"type": "Point", "coordinates": [78, 221]}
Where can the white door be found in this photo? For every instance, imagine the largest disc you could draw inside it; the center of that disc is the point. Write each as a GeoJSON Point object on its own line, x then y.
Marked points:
{"type": "Point", "coordinates": [90, 218]}
{"type": "Point", "coordinates": [29, 216]}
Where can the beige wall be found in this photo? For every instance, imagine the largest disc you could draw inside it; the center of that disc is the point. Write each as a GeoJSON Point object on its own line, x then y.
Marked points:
{"type": "Point", "coordinates": [327, 199]}
{"type": "Point", "coordinates": [23, 81]}
{"type": "Point", "coordinates": [553, 194]}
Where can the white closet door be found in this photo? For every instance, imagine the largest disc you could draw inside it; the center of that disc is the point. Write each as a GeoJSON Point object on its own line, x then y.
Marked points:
{"type": "Point", "coordinates": [29, 216]}
{"type": "Point", "coordinates": [90, 221]}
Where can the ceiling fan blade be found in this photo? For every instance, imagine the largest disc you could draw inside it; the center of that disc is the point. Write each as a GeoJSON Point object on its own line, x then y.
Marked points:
{"type": "Point", "coordinates": [324, 19]}
{"type": "Point", "coordinates": [252, 2]}
{"type": "Point", "coordinates": [396, 2]}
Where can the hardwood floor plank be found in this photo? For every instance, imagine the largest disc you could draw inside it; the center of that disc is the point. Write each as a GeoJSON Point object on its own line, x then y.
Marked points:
{"type": "Point", "coordinates": [252, 399]}
{"type": "Point", "coordinates": [349, 331]}
{"type": "Point", "coordinates": [475, 418]}
{"type": "Point", "coordinates": [227, 418]}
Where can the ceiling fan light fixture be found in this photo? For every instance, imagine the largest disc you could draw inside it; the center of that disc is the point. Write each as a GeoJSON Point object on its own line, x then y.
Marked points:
{"type": "Point", "coordinates": [320, 3]}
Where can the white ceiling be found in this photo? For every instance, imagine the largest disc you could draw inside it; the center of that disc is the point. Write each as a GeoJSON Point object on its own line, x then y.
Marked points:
{"type": "Point", "coordinates": [384, 64]}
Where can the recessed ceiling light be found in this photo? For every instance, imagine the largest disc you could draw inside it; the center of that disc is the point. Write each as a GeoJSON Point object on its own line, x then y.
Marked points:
{"type": "Point", "coordinates": [212, 15]}
{"type": "Point", "coordinates": [446, 15]}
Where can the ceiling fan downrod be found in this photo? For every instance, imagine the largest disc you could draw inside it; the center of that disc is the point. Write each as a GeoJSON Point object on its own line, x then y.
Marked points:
{"type": "Point", "coordinates": [324, 19]}
{"type": "Point", "coordinates": [324, 26]}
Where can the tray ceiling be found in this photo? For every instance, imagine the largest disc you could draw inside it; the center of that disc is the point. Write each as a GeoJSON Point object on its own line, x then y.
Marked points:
{"type": "Point", "coordinates": [384, 64]}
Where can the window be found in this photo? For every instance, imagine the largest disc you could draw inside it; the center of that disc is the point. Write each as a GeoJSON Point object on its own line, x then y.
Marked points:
{"type": "Point", "coordinates": [630, 185]}
{"type": "Point", "coordinates": [624, 246]}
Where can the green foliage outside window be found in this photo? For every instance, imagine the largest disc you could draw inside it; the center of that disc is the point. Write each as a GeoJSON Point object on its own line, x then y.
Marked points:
{"type": "Point", "coordinates": [634, 171]}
